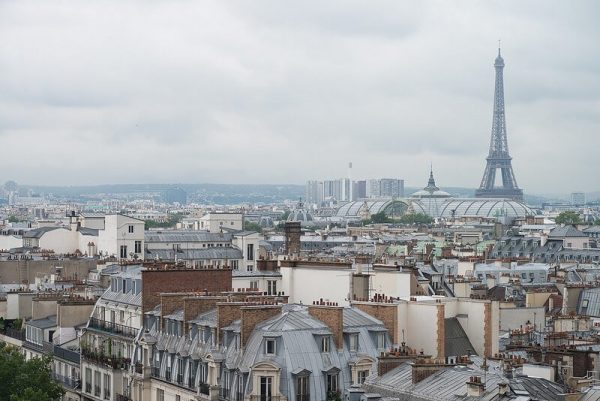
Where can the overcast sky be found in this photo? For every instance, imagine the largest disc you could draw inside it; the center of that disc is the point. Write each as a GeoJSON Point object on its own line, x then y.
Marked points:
{"type": "Point", "coordinates": [279, 91]}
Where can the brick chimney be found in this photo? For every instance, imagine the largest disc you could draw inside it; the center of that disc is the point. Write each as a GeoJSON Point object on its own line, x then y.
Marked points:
{"type": "Point", "coordinates": [423, 368]}
{"type": "Point", "coordinates": [475, 387]}
{"type": "Point", "coordinates": [227, 313]}
{"type": "Point", "coordinates": [332, 317]}
{"type": "Point", "coordinates": [169, 303]}
{"type": "Point", "coordinates": [386, 312]}
{"type": "Point", "coordinates": [194, 306]}
{"type": "Point", "coordinates": [293, 232]}
{"type": "Point", "coordinates": [253, 315]}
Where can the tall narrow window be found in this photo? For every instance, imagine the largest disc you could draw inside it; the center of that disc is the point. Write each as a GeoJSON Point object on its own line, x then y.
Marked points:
{"type": "Point", "coordinates": [250, 252]}
{"type": "Point", "coordinates": [130, 229]}
{"type": "Point", "coordinates": [332, 383]}
{"type": "Point", "coordinates": [138, 246]}
{"type": "Point", "coordinates": [325, 344]}
{"type": "Point", "coordinates": [106, 386]}
{"type": "Point", "coordinates": [266, 388]}
{"type": "Point", "coordinates": [302, 388]}
{"type": "Point", "coordinates": [123, 251]}
{"type": "Point", "coordinates": [353, 342]}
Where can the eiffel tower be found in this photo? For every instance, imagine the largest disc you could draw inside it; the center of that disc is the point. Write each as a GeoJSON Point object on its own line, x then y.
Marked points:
{"type": "Point", "coordinates": [498, 157]}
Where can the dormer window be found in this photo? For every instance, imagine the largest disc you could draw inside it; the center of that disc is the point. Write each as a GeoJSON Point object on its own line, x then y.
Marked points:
{"type": "Point", "coordinates": [325, 344]}
{"type": "Point", "coordinates": [353, 342]}
{"type": "Point", "coordinates": [270, 346]}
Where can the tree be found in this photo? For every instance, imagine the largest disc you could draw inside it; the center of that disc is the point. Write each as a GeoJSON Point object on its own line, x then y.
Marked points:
{"type": "Point", "coordinates": [26, 380]}
{"type": "Point", "coordinates": [568, 217]}
{"type": "Point", "coordinates": [252, 226]}
{"type": "Point", "coordinates": [13, 219]}
{"type": "Point", "coordinates": [379, 218]}
{"type": "Point", "coordinates": [416, 218]}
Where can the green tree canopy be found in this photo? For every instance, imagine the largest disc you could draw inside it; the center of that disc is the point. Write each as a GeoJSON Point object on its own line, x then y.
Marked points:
{"type": "Point", "coordinates": [23, 380]}
{"type": "Point", "coordinates": [568, 217]}
{"type": "Point", "coordinates": [252, 226]}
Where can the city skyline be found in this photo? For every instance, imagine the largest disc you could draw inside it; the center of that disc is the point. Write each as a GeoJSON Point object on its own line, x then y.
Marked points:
{"type": "Point", "coordinates": [172, 92]}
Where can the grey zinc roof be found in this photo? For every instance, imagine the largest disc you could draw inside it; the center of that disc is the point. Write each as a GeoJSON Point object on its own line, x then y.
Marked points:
{"type": "Point", "coordinates": [565, 231]}
{"type": "Point", "coordinates": [456, 341]}
{"type": "Point", "coordinates": [592, 395]}
{"type": "Point", "coordinates": [39, 232]}
{"type": "Point", "coordinates": [195, 254]}
{"type": "Point", "coordinates": [44, 323]}
{"type": "Point", "coordinates": [185, 236]}
{"type": "Point", "coordinates": [88, 231]}
{"type": "Point", "coordinates": [592, 296]}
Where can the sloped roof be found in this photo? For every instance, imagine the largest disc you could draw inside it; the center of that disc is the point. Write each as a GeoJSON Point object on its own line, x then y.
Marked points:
{"type": "Point", "coordinates": [566, 231]}
{"type": "Point", "coordinates": [456, 341]}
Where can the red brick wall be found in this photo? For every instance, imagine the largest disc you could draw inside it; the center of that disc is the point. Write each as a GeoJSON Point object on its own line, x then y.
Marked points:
{"type": "Point", "coordinates": [487, 330]}
{"type": "Point", "coordinates": [387, 313]}
{"type": "Point", "coordinates": [253, 315]}
{"type": "Point", "coordinates": [441, 331]}
{"type": "Point", "coordinates": [156, 281]}
{"type": "Point", "coordinates": [227, 313]}
{"type": "Point", "coordinates": [333, 317]}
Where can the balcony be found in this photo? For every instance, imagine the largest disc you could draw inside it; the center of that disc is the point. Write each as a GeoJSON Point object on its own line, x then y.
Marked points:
{"type": "Point", "coordinates": [263, 397]}
{"type": "Point", "coordinates": [113, 328]}
{"type": "Point", "coordinates": [113, 362]}
{"type": "Point", "coordinates": [67, 354]}
{"type": "Point", "coordinates": [204, 388]}
{"type": "Point", "coordinates": [121, 397]}
{"type": "Point", "coordinates": [71, 382]}
{"type": "Point", "coordinates": [13, 333]}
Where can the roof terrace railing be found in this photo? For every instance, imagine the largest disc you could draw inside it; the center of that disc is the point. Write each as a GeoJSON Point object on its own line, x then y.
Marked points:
{"type": "Point", "coordinates": [112, 327]}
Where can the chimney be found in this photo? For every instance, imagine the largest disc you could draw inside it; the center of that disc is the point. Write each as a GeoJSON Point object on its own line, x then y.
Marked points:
{"type": "Point", "coordinates": [253, 315]}
{"type": "Point", "coordinates": [475, 388]}
{"type": "Point", "coordinates": [293, 231]}
{"type": "Point", "coordinates": [194, 306]}
{"type": "Point", "coordinates": [423, 368]}
{"type": "Point", "coordinates": [386, 312]}
{"type": "Point", "coordinates": [502, 388]}
{"type": "Point", "coordinates": [227, 313]}
{"type": "Point", "coordinates": [332, 317]}
{"type": "Point", "coordinates": [169, 303]}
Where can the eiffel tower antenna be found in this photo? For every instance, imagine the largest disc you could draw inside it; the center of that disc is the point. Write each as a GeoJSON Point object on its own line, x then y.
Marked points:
{"type": "Point", "coordinates": [498, 157]}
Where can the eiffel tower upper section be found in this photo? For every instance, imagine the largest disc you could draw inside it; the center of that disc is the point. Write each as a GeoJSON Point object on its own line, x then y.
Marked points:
{"type": "Point", "coordinates": [499, 157]}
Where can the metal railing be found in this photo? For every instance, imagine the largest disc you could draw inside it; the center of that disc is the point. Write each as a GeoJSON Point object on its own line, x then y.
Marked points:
{"type": "Point", "coordinates": [121, 397]}
{"type": "Point", "coordinates": [204, 388]}
{"type": "Point", "coordinates": [111, 361]}
{"type": "Point", "coordinates": [264, 397]}
{"type": "Point", "coordinates": [72, 382]}
{"type": "Point", "coordinates": [14, 333]}
{"type": "Point", "coordinates": [67, 354]}
{"type": "Point", "coordinates": [112, 327]}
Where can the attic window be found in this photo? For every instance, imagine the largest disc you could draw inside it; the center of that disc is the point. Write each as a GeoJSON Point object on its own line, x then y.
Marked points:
{"type": "Point", "coordinates": [270, 346]}
{"type": "Point", "coordinates": [325, 344]}
{"type": "Point", "coordinates": [584, 303]}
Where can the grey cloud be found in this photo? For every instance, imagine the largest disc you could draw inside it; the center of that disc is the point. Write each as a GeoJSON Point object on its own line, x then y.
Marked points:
{"type": "Point", "coordinates": [274, 91]}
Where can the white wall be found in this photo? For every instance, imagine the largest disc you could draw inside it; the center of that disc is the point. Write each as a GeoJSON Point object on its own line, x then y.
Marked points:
{"type": "Point", "coordinates": [513, 318]}
{"type": "Point", "coordinates": [308, 284]}
{"type": "Point", "coordinates": [391, 283]}
{"type": "Point", "coordinates": [419, 322]}
{"type": "Point", "coordinates": [116, 234]}
{"type": "Point", "coordinates": [61, 240]}
{"type": "Point", "coordinates": [10, 241]}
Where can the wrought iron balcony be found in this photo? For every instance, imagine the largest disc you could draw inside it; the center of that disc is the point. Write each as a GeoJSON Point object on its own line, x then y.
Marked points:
{"type": "Point", "coordinates": [99, 358]}
{"type": "Point", "coordinates": [112, 327]}
{"type": "Point", "coordinates": [204, 388]}
{"type": "Point", "coordinates": [264, 397]}
{"type": "Point", "coordinates": [72, 382]}
{"type": "Point", "coordinates": [121, 397]}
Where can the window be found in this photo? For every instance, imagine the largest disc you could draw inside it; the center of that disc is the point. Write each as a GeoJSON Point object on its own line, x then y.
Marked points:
{"type": "Point", "coordinates": [130, 229]}
{"type": "Point", "coordinates": [332, 383]}
{"type": "Point", "coordinates": [324, 344]}
{"type": "Point", "coordinates": [160, 394]}
{"type": "Point", "coordinates": [270, 346]}
{"type": "Point", "coordinates": [97, 383]}
{"type": "Point", "coordinates": [106, 386]}
{"type": "Point", "coordinates": [192, 373]}
{"type": "Point", "coordinates": [250, 251]}
{"type": "Point", "coordinates": [88, 380]}
{"type": "Point", "coordinates": [380, 340]}
{"type": "Point", "coordinates": [249, 268]}
{"type": "Point", "coordinates": [271, 287]}
{"type": "Point", "coordinates": [123, 251]}
{"type": "Point", "coordinates": [122, 316]}
{"type": "Point", "coordinates": [353, 342]}
{"type": "Point", "coordinates": [254, 285]}
{"type": "Point", "coordinates": [266, 388]}
{"type": "Point", "coordinates": [177, 398]}
{"type": "Point", "coordinates": [234, 264]}
{"type": "Point", "coordinates": [138, 246]}
{"type": "Point", "coordinates": [362, 376]}
{"type": "Point", "coordinates": [302, 388]}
